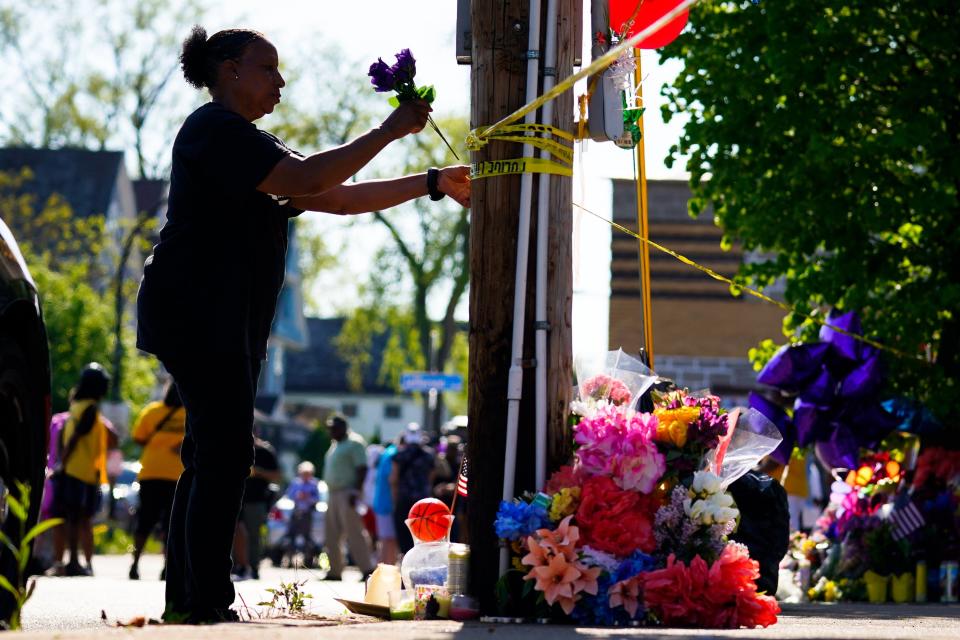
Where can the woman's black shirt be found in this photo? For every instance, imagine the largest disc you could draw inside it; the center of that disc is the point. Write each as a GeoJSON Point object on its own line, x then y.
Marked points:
{"type": "Point", "coordinates": [212, 283]}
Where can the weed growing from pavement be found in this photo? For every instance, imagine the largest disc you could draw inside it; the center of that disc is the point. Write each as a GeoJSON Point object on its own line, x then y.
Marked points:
{"type": "Point", "coordinates": [21, 591]}
{"type": "Point", "coordinates": [288, 598]}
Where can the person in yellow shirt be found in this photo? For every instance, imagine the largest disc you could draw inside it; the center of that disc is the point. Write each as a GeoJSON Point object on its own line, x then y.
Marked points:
{"type": "Point", "coordinates": [159, 429]}
{"type": "Point", "coordinates": [84, 441]}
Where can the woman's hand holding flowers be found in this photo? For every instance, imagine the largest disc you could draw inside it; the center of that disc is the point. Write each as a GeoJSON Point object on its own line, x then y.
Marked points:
{"type": "Point", "coordinates": [409, 117]}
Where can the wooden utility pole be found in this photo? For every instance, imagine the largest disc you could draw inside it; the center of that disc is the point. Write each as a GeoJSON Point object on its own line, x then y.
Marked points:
{"type": "Point", "coordinates": [499, 44]}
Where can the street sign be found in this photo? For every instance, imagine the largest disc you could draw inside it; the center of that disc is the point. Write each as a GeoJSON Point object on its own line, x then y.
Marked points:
{"type": "Point", "coordinates": [427, 380]}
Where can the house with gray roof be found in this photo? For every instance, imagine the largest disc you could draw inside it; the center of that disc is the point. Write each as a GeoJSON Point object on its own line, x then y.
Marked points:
{"type": "Point", "coordinates": [316, 384]}
{"type": "Point", "coordinates": [91, 182]}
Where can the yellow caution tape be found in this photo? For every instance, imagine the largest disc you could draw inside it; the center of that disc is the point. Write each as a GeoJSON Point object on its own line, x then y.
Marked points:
{"type": "Point", "coordinates": [753, 292]}
{"type": "Point", "coordinates": [474, 142]}
{"type": "Point", "coordinates": [558, 150]}
{"type": "Point", "coordinates": [491, 168]}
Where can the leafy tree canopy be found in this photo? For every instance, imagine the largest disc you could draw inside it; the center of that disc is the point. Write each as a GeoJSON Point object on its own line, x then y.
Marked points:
{"type": "Point", "coordinates": [823, 133]}
{"type": "Point", "coordinates": [79, 317]}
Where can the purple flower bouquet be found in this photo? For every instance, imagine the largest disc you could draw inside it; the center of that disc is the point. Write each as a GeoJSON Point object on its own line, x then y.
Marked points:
{"type": "Point", "coordinates": [399, 78]}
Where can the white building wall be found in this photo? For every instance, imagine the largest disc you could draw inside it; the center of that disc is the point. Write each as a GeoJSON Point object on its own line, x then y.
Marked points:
{"type": "Point", "coordinates": [591, 267]}
{"type": "Point", "coordinates": [371, 411]}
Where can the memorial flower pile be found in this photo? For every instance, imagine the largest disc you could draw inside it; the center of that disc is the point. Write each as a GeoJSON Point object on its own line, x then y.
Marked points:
{"type": "Point", "coordinates": [877, 528]}
{"type": "Point", "coordinates": [635, 529]}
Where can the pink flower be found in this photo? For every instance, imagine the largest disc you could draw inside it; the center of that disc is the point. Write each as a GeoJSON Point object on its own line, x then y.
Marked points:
{"type": "Point", "coordinates": [603, 387]}
{"type": "Point", "coordinates": [627, 594]}
{"type": "Point", "coordinates": [618, 442]}
{"type": "Point", "coordinates": [640, 471]}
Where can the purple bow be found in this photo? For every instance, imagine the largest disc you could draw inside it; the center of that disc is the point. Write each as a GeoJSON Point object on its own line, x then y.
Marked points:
{"type": "Point", "coordinates": [835, 383]}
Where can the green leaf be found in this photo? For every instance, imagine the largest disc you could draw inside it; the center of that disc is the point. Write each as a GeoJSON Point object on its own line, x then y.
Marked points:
{"type": "Point", "coordinates": [427, 93]}
{"type": "Point", "coordinates": [528, 586]}
{"type": "Point", "coordinates": [8, 543]}
{"type": "Point", "coordinates": [18, 511]}
{"type": "Point", "coordinates": [394, 101]}
{"type": "Point", "coordinates": [9, 587]}
{"type": "Point", "coordinates": [40, 528]}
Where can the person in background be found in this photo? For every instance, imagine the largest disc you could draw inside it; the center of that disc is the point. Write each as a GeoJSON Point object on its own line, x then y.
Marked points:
{"type": "Point", "coordinates": [305, 495]}
{"type": "Point", "coordinates": [159, 430]}
{"type": "Point", "coordinates": [50, 545]}
{"type": "Point", "coordinates": [257, 499]}
{"type": "Point", "coordinates": [382, 505]}
{"type": "Point", "coordinates": [81, 470]}
{"type": "Point", "coordinates": [411, 479]}
{"type": "Point", "coordinates": [344, 470]}
{"type": "Point", "coordinates": [368, 518]}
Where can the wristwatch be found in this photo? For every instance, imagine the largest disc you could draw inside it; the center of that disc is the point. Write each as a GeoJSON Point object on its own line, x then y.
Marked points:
{"type": "Point", "coordinates": [432, 176]}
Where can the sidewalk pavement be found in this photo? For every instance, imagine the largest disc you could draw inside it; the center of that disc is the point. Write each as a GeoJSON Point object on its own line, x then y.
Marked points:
{"type": "Point", "coordinates": [797, 622]}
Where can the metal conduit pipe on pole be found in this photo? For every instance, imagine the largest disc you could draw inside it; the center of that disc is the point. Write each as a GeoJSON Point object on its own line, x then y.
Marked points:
{"type": "Point", "coordinates": [543, 204]}
{"type": "Point", "coordinates": [515, 377]}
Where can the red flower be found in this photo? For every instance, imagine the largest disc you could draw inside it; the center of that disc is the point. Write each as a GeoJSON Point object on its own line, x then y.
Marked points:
{"type": "Point", "coordinates": [755, 610]}
{"type": "Point", "coordinates": [565, 477]}
{"type": "Point", "coordinates": [668, 593]}
{"type": "Point", "coordinates": [614, 520]}
{"type": "Point", "coordinates": [723, 596]}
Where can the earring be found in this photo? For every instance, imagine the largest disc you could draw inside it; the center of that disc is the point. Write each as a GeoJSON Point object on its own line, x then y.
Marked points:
{"type": "Point", "coordinates": [236, 77]}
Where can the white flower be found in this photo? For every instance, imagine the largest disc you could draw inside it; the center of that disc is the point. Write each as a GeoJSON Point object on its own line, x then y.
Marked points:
{"type": "Point", "coordinates": [698, 510]}
{"type": "Point", "coordinates": [584, 409]}
{"type": "Point", "coordinates": [705, 482]}
{"type": "Point", "coordinates": [722, 499]}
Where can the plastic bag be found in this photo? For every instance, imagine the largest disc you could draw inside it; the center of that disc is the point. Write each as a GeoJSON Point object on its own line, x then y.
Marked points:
{"type": "Point", "coordinates": [611, 376]}
{"type": "Point", "coordinates": [748, 440]}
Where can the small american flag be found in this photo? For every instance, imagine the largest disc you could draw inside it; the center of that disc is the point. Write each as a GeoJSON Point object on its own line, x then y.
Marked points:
{"type": "Point", "coordinates": [462, 478]}
{"type": "Point", "coordinates": [905, 519]}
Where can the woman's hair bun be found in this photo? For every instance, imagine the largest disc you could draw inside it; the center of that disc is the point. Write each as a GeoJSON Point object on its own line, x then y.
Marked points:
{"type": "Point", "coordinates": [194, 58]}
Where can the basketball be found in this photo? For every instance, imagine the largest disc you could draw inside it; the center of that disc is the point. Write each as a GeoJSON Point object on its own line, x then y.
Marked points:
{"type": "Point", "coordinates": [429, 520]}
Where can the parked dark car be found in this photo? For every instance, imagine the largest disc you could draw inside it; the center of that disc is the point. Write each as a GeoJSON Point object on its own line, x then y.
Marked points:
{"type": "Point", "coordinates": [24, 397]}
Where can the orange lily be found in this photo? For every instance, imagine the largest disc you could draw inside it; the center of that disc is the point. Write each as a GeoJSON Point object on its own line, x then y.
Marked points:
{"type": "Point", "coordinates": [538, 554]}
{"type": "Point", "coordinates": [626, 594]}
{"type": "Point", "coordinates": [561, 540]}
{"type": "Point", "coordinates": [587, 582]}
{"type": "Point", "coordinates": [556, 580]}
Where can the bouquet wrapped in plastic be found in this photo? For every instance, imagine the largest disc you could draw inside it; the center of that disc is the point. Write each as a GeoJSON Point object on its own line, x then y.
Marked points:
{"type": "Point", "coordinates": [635, 528]}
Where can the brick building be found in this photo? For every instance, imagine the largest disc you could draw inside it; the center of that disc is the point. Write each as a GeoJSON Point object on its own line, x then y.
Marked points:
{"type": "Point", "coordinates": [701, 333]}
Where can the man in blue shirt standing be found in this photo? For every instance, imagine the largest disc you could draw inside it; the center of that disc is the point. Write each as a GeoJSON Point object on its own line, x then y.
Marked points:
{"type": "Point", "coordinates": [383, 506]}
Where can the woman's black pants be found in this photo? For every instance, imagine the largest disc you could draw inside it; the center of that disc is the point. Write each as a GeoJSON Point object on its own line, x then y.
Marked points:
{"type": "Point", "coordinates": [218, 392]}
